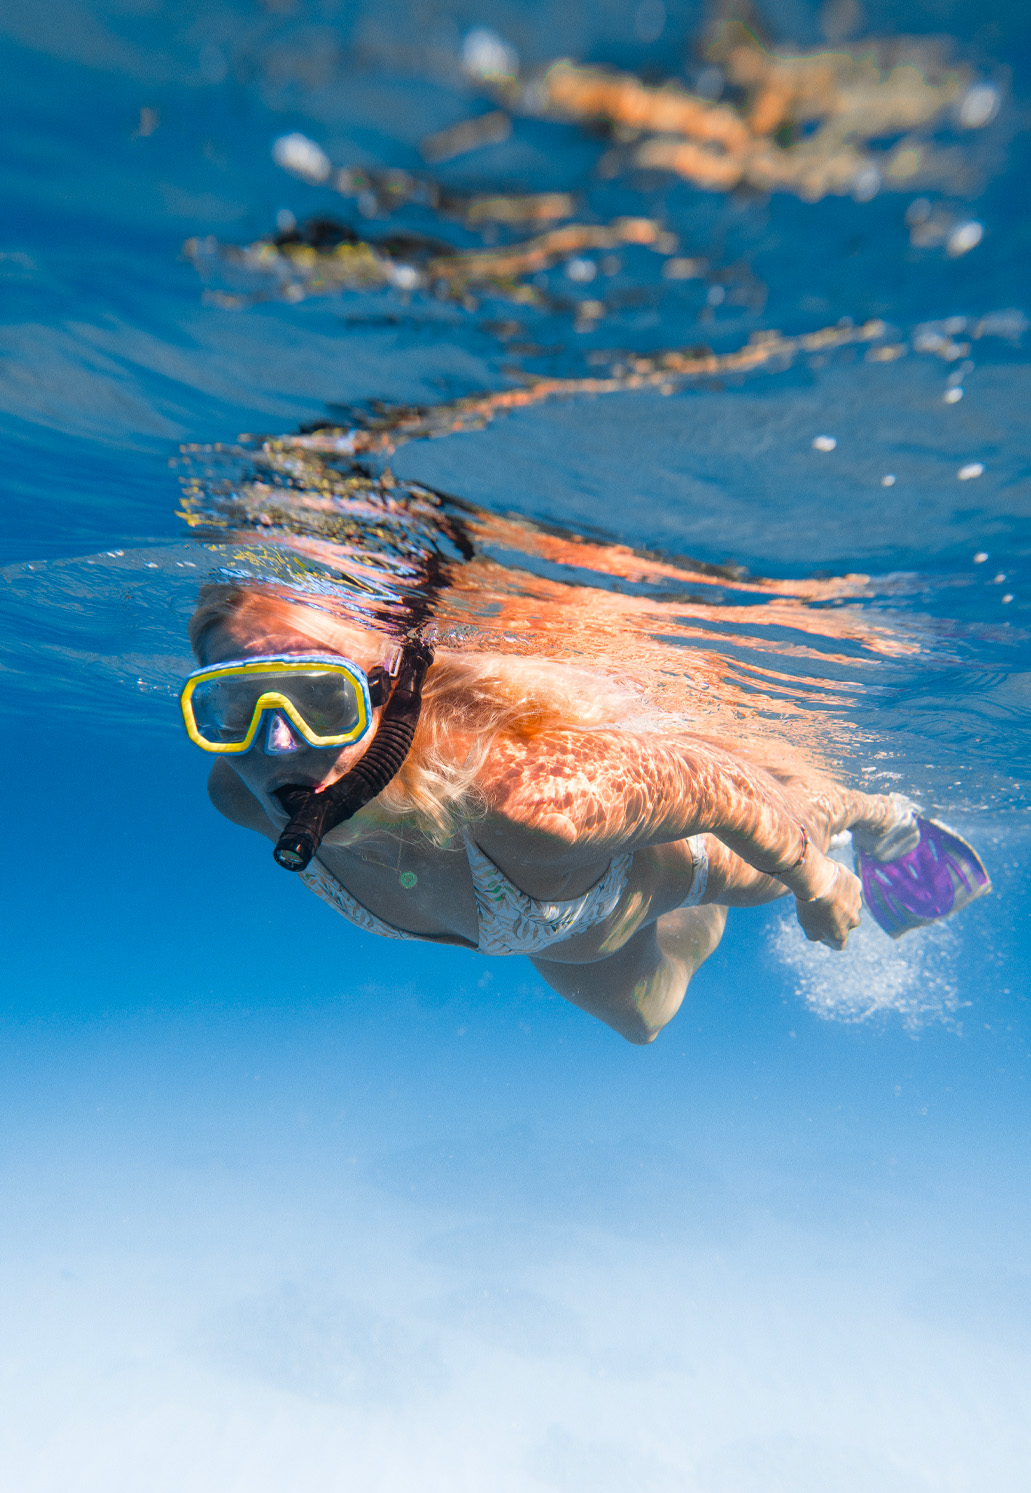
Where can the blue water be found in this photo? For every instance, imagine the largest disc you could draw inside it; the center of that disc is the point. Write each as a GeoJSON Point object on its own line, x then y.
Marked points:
{"type": "Point", "coordinates": [288, 1208]}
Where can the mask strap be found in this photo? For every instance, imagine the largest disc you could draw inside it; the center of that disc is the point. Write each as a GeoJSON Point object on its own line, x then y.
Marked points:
{"type": "Point", "coordinates": [382, 680]}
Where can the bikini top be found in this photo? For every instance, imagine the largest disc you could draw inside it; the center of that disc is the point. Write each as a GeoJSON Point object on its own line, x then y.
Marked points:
{"type": "Point", "coordinates": [510, 921]}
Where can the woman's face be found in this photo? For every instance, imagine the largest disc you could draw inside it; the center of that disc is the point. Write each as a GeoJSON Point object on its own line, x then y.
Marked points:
{"type": "Point", "coordinates": [279, 754]}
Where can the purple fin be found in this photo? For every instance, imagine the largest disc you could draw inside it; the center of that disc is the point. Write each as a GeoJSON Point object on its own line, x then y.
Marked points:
{"type": "Point", "coordinates": [940, 875]}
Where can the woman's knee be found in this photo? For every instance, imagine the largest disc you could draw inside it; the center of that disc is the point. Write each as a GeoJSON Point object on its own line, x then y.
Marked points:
{"type": "Point", "coordinates": [653, 1003]}
{"type": "Point", "coordinates": [635, 992]}
{"type": "Point", "coordinates": [641, 1030]}
{"type": "Point", "coordinates": [643, 1037]}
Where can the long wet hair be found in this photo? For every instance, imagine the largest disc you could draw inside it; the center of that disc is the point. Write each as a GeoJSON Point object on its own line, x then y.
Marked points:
{"type": "Point", "coordinates": [469, 700]}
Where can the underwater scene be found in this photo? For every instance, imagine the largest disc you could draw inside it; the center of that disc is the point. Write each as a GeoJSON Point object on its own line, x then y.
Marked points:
{"type": "Point", "coordinates": [548, 484]}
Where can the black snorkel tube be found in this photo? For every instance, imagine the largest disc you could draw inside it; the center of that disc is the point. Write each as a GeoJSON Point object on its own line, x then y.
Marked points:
{"type": "Point", "coordinates": [313, 815]}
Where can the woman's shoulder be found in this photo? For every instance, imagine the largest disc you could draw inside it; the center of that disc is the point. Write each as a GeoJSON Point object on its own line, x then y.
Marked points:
{"type": "Point", "coordinates": [544, 794]}
{"type": "Point", "coordinates": [553, 762]}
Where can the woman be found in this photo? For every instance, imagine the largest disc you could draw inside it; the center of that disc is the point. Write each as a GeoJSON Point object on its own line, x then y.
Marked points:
{"type": "Point", "coordinates": [528, 816]}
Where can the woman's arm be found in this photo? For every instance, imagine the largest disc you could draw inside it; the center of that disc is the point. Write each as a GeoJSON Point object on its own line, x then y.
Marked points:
{"type": "Point", "coordinates": [572, 796]}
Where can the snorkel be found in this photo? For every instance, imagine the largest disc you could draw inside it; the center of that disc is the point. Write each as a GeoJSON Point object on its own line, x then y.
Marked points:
{"type": "Point", "coordinates": [314, 814]}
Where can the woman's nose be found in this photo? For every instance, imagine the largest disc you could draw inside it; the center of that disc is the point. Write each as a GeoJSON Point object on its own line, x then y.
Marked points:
{"type": "Point", "coordinates": [279, 739]}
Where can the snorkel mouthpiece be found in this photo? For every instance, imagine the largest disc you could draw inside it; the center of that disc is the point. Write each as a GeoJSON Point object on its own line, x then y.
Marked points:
{"type": "Point", "coordinates": [295, 847]}
{"type": "Point", "coordinates": [313, 815]}
{"type": "Point", "coordinates": [296, 855]}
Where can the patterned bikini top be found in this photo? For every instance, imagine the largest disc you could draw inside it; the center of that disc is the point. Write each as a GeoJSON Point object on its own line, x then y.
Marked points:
{"type": "Point", "coordinates": [510, 921]}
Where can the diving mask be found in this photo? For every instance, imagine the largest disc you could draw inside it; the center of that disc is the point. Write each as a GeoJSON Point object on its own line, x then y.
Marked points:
{"type": "Point", "coordinates": [327, 700]}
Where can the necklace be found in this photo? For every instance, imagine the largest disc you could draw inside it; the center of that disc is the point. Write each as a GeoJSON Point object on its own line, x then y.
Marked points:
{"type": "Point", "coordinates": [407, 879]}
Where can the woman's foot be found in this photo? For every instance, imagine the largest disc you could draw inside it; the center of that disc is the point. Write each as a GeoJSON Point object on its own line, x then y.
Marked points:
{"type": "Point", "coordinates": [887, 842]}
{"type": "Point", "coordinates": [934, 876]}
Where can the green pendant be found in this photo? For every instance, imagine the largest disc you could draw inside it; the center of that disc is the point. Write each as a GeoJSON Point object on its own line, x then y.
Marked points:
{"type": "Point", "coordinates": [408, 879]}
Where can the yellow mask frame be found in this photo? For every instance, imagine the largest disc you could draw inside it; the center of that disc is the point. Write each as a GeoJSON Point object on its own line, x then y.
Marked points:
{"type": "Point", "coordinates": [276, 699]}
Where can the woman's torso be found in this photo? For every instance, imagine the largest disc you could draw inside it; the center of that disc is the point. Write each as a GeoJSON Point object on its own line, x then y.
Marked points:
{"type": "Point", "coordinates": [456, 897]}
{"type": "Point", "coordinates": [425, 891]}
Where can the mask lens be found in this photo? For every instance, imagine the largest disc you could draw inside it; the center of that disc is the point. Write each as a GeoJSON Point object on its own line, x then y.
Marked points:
{"type": "Point", "coordinates": [328, 703]}
{"type": "Point", "coordinates": [223, 708]}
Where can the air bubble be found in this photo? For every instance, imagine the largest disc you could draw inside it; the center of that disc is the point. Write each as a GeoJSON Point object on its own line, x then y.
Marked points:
{"type": "Point", "coordinates": [485, 55]}
{"type": "Point", "coordinates": [963, 238]}
{"type": "Point", "coordinates": [580, 271]}
{"type": "Point", "coordinates": [302, 156]}
{"type": "Point", "coordinates": [979, 106]}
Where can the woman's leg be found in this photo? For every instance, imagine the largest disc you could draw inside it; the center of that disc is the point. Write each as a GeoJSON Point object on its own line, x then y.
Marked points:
{"type": "Point", "coordinates": [637, 990]}
{"type": "Point", "coordinates": [826, 810]}
{"type": "Point", "coordinates": [640, 988]}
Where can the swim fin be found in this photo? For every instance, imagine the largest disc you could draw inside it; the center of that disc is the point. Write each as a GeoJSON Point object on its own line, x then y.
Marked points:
{"type": "Point", "coordinates": [938, 876]}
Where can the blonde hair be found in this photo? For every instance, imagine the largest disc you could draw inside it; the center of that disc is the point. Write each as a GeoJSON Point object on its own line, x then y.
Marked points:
{"type": "Point", "coordinates": [469, 701]}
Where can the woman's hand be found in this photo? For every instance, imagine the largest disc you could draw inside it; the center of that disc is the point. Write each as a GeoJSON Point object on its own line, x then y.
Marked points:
{"type": "Point", "coordinates": [830, 917]}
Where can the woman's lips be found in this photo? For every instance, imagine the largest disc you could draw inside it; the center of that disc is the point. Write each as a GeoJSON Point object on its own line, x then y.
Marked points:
{"type": "Point", "coordinates": [296, 780]}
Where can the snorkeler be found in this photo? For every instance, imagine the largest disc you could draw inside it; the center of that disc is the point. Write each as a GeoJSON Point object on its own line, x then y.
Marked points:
{"type": "Point", "coordinates": [510, 806]}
